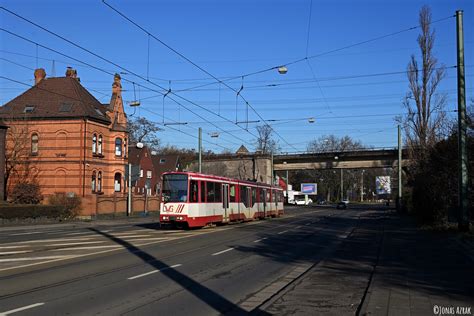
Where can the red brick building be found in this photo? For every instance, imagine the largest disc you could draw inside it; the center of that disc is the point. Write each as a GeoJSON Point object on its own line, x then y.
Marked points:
{"type": "Point", "coordinates": [61, 136]}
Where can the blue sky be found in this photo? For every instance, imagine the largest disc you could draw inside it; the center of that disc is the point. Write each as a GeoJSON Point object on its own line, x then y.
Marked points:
{"type": "Point", "coordinates": [233, 38]}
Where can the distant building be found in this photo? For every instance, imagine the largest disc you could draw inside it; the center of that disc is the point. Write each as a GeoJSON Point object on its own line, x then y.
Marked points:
{"type": "Point", "coordinates": [162, 164]}
{"type": "Point", "coordinates": [143, 178]}
{"type": "Point", "coordinates": [61, 136]}
{"type": "Point", "coordinates": [3, 134]}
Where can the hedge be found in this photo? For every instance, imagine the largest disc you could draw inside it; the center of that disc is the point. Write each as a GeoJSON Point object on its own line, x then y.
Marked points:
{"type": "Point", "coordinates": [23, 211]}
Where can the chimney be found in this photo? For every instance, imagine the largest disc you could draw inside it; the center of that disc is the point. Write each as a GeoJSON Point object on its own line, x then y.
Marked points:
{"type": "Point", "coordinates": [40, 74]}
{"type": "Point", "coordinates": [70, 72]}
{"type": "Point", "coordinates": [117, 85]}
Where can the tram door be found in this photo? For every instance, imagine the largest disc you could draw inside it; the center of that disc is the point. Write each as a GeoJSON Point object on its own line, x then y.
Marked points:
{"type": "Point", "coordinates": [225, 201]}
{"type": "Point", "coordinates": [264, 195]}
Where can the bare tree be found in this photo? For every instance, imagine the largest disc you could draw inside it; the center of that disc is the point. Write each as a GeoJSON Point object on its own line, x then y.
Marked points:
{"type": "Point", "coordinates": [265, 142]}
{"type": "Point", "coordinates": [332, 143]}
{"type": "Point", "coordinates": [141, 130]}
{"type": "Point", "coordinates": [426, 118]}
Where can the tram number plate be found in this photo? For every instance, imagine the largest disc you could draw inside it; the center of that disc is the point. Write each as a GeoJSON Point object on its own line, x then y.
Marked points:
{"type": "Point", "coordinates": [172, 218]}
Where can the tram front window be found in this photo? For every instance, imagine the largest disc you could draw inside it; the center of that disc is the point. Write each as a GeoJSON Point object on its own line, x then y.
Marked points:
{"type": "Point", "coordinates": [175, 188]}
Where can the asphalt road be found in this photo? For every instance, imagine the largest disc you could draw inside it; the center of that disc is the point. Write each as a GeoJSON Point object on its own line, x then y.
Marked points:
{"type": "Point", "coordinates": [141, 269]}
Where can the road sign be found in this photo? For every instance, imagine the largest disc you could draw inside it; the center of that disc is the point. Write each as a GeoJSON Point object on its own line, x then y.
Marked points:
{"type": "Point", "coordinates": [309, 188]}
{"type": "Point", "coordinates": [382, 185]}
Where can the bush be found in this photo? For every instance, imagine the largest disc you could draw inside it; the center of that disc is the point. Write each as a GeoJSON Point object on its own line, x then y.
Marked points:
{"type": "Point", "coordinates": [70, 204]}
{"type": "Point", "coordinates": [17, 211]}
{"type": "Point", "coordinates": [26, 193]}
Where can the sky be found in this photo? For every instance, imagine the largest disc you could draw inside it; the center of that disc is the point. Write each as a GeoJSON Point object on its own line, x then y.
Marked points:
{"type": "Point", "coordinates": [348, 89]}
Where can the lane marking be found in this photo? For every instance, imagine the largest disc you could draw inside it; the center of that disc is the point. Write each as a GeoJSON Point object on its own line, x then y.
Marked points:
{"type": "Point", "coordinates": [130, 236]}
{"type": "Point", "coordinates": [282, 232]}
{"type": "Point", "coordinates": [259, 240]}
{"type": "Point", "coordinates": [73, 234]}
{"type": "Point", "coordinates": [34, 258]}
{"type": "Point", "coordinates": [87, 248]}
{"type": "Point", "coordinates": [21, 234]}
{"type": "Point", "coordinates": [76, 243]}
{"type": "Point", "coordinates": [14, 252]}
{"type": "Point", "coordinates": [298, 227]}
{"type": "Point", "coordinates": [149, 239]}
{"type": "Point", "coordinates": [21, 309]}
{"type": "Point", "coordinates": [154, 271]}
{"type": "Point", "coordinates": [54, 240]}
{"type": "Point", "coordinates": [307, 224]}
{"type": "Point", "coordinates": [221, 252]}
{"type": "Point", "coordinates": [12, 247]}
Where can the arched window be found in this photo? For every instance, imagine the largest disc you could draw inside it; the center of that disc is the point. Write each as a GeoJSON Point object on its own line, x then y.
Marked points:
{"type": "Point", "coordinates": [118, 147]}
{"type": "Point", "coordinates": [117, 182]}
{"type": "Point", "coordinates": [99, 181]}
{"type": "Point", "coordinates": [125, 147]}
{"type": "Point", "coordinates": [94, 181]}
{"type": "Point", "coordinates": [94, 143]}
{"type": "Point", "coordinates": [34, 144]}
{"type": "Point", "coordinates": [99, 145]}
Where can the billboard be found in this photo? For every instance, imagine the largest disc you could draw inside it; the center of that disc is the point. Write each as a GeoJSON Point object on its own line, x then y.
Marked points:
{"type": "Point", "coordinates": [382, 185]}
{"type": "Point", "coordinates": [309, 188]}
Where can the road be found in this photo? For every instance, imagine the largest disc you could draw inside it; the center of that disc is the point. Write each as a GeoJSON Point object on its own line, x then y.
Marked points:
{"type": "Point", "coordinates": [143, 269]}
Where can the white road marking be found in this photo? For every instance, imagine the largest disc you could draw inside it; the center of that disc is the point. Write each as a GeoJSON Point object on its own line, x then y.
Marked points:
{"type": "Point", "coordinates": [76, 243]}
{"type": "Point", "coordinates": [154, 271]}
{"type": "Point", "coordinates": [13, 252]}
{"type": "Point", "coordinates": [149, 239]}
{"type": "Point", "coordinates": [307, 224]}
{"type": "Point", "coordinates": [129, 236]}
{"type": "Point", "coordinates": [34, 258]}
{"type": "Point", "coordinates": [87, 248]}
{"type": "Point", "coordinates": [12, 247]}
{"type": "Point", "coordinates": [221, 252]}
{"type": "Point", "coordinates": [298, 227]}
{"type": "Point", "coordinates": [73, 234]}
{"type": "Point", "coordinates": [54, 240]}
{"type": "Point", "coordinates": [21, 309]}
{"type": "Point", "coordinates": [21, 234]}
{"type": "Point", "coordinates": [282, 232]}
{"type": "Point", "coordinates": [259, 240]}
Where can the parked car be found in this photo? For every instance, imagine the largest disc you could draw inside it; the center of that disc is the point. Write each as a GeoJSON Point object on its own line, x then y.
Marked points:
{"type": "Point", "coordinates": [322, 202]}
{"type": "Point", "coordinates": [299, 201]}
{"type": "Point", "coordinates": [342, 205]}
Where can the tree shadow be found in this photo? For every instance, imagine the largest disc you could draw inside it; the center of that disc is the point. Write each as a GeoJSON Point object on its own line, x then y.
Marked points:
{"type": "Point", "coordinates": [208, 296]}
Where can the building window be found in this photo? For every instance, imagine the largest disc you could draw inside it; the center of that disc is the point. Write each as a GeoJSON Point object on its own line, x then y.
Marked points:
{"type": "Point", "coordinates": [117, 182]}
{"type": "Point", "coordinates": [148, 174]}
{"type": "Point", "coordinates": [162, 160]}
{"type": "Point", "coordinates": [125, 148]}
{"type": "Point", "coordinates": [94, 143]}
{"type": "Point", "coordinates": [141, 173]}
{"type": "Point", "coordinates": [34, 144]}
{"type": "Point", "coordinates": [94, 181]}
{"type": "Point", "coordinates": [118, 147]}
{"type": "Point", "coordinates": [99, 181]}
{"type": "Point", "coordinates": [99, 145]}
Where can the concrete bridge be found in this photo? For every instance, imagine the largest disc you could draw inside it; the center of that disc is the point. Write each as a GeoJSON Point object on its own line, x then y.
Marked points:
{"type": "Point", "coordinates": [357, 159]}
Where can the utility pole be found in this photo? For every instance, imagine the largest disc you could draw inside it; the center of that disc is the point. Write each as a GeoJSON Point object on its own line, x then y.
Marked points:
{"type": "Point", "coordinates": [200, 149]}
{"type": "Point", "coordinates": [362, 186]}
{"type": "Point", "coordinates": [342, 185]}
{"type": "Point", "coordinates": [129, 208]}
{"type": "Point", "coordinates": [463, 217]}
{"type": "Point", "coordinates": [399, 198]}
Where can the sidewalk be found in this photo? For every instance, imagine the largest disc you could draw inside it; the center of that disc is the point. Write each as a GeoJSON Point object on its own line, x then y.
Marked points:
{"type": "Point", "coordinates": [385, 267]}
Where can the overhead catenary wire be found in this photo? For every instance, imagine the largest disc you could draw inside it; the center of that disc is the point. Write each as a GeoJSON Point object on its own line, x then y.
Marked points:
{"type": "Point", "coordinates": [194, 64]}
{"type": "Point", "coordinates": [130, 81]}
{"type": "Point", "coordinates": [115, 64]}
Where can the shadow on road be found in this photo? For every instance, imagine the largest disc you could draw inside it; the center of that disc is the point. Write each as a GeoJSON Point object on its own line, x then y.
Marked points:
{"type": "Point", "coordinates": [211, 298]}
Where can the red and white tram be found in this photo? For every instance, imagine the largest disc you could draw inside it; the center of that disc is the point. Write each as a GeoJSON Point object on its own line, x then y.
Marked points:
{"type": "Point", "coordinates": [196, 200]}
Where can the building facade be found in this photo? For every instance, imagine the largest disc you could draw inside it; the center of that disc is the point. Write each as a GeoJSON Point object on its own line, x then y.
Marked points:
{"type": "Point", "coordinates": [61, 136]}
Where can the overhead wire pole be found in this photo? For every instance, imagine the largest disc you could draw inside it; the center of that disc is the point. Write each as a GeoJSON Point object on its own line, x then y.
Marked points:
{"type": "Point", "coordinates": [463, 218]}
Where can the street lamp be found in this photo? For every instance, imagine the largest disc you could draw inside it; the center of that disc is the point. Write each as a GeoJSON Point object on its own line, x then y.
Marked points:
{"type": "Point", "coordinates": [282, 70]}
{"type": "Point", "coordinates": [287, 200]}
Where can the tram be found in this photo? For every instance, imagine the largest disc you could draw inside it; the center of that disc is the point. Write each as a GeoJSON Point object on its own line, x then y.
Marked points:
{"type": "Point", "coordinates": [195, 200]}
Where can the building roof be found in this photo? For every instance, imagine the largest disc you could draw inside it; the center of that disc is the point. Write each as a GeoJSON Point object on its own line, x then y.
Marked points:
{"type": "Point", "coordinates": [242, 150]}
{"type": "Point", "coordinates": [135, 154]}
{"type": "Point", "coordinates": [165, 163]}
{"type": "Point", "coordinates": [60, 97]}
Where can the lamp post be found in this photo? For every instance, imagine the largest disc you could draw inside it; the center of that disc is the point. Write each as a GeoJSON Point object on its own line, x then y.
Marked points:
{"type": "Point", "coordinates": [287, 200]}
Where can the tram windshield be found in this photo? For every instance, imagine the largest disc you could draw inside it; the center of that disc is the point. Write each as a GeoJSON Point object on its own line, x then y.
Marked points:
{"type": "Point", "coordinates": [175, 188]}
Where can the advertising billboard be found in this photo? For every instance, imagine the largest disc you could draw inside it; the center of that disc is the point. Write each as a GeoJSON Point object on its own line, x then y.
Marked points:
{"type": "Point", "coordinates": [382, 185]}
{"type": "Point", "coordinates": [309, 188]}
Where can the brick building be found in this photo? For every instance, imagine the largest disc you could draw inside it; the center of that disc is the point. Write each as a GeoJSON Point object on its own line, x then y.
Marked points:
{"type": "Point", "coordinates": [61, 136]}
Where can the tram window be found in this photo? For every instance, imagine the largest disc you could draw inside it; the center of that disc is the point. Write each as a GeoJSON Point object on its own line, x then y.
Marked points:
{"type": "Point", "coordinates": [261, 195]}
{"type": "Point", "coordinates": [210, 192]}
{"type": "Point", "coordinates": [254, 196]}
{"type": "Point", "coordinates": [268, 196]}
{"type": "Point", "coordinates": [203, 191]}
{"type": "Point", "coordinates": [232, 193]}
{"type": "Point", "coordinates": [193, 191]}
{"type": "Point", "coordinates": [218, 190]}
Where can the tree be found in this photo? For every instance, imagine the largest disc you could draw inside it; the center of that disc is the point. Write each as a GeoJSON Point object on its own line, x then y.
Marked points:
{"type": "Point", "coordinates": [331, 143]}
{"type": "Point", "coordinates": [141, 130]}
{"type": "Point", "coordinates": [265, 142]}
{"type": "Point", "coordinates": [426, 118]}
